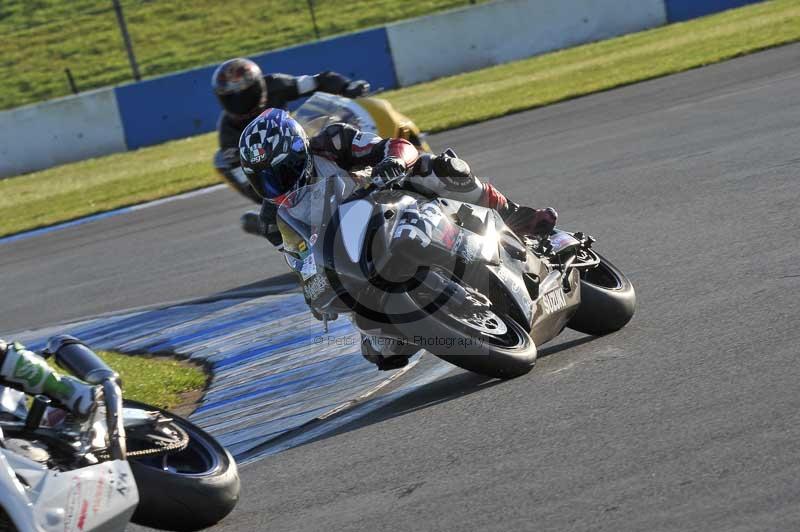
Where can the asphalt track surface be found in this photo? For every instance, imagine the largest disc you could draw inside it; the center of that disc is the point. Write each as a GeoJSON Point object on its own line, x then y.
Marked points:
{"type": "Point", "coordinates": [689, 418]}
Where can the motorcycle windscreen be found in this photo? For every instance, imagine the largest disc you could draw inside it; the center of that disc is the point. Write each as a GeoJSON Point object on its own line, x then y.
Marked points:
{"type": "Point", "coordinates": [303, 216]}
{"type": "Point", "coordinates": [322, 110]}
{"type": "Point", "coordinates": [304, 220]}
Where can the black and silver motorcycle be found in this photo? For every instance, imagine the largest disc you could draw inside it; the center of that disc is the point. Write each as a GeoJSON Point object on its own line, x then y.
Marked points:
{"type": "Point", "coordinates": [447, 276]}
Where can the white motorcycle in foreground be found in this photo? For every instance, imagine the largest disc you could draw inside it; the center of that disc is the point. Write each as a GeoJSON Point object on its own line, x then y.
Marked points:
{"type": "Point", "coordinates": [127, 462]}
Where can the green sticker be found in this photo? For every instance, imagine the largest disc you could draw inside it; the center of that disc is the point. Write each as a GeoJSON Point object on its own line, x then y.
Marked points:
{"type": "Point", "coordinates": [28, 371]}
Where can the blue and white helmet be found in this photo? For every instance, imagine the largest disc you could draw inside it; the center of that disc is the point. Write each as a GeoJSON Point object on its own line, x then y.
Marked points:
{"type": "Point", "coordinates": [273, 150]}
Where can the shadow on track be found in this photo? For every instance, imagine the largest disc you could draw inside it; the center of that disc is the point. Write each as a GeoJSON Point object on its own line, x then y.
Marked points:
{"type": "Point", "coordinates": [279, 283]}
{"type": "Point", "coordinates": [441, 391]}
{"type": "Point", "coordinates": [451, 387]}
{"type": "Point", "coordinates": [563, 346]}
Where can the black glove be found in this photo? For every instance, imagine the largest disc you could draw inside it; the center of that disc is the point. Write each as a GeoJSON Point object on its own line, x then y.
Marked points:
{"type": "Point", "coordinates": [356, 88]}
{"type": "Point", "coordinates": [388, 168]}
{"type": "Point", "coordinates": [226, 159]}
{"type": "Point", "coordinates": [331, 82]}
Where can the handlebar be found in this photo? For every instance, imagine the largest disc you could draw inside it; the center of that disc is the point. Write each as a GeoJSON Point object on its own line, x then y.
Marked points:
{"type": "Point", "coordinates": [388, 184]}
{"type": "Point", "coordinates": [84, 363]}
{"type": "Point", "coordinates": [78, 359]}
{"type": "Point", "coordinates": [112, 395]}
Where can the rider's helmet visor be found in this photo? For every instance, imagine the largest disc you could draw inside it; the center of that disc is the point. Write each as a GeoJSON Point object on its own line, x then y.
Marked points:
{"type": "Point", "coordinates": [285, 176]}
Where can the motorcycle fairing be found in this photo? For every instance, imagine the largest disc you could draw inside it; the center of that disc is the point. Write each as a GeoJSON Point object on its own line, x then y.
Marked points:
{"type": "Point", "coordinates": [431, 226]}
{"type": "Point", "coordinates": [519, 293]}
{"type": "Point", "coordinates": [354, 221]}
{"type": "Point", "coordinates": [98, 498]}
{"type": "Point", "coordinates": [555, 305]}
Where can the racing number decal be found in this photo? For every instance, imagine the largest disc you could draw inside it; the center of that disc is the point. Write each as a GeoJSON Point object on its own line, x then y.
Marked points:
{"type": "Point", "coordinates": [422, 224]}
{"type": "Point", "coordinates": [412, 222]}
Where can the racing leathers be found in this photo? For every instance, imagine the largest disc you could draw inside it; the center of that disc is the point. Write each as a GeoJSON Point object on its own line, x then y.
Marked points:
{"type": "Point", "coordinates": [341, 148]}
{"type": "Point", "coordinates": [24, 370]}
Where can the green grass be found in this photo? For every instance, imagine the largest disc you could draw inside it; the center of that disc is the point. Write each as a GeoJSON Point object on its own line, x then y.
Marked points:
{"type": "Point", "coordinates": [83, 188]}
{"type": "Point", "coordinates": [158, 381]}
{"type": "Point", "coordinates": [101, 184]}
{"type": "Point", "coordinates": [40, 38]}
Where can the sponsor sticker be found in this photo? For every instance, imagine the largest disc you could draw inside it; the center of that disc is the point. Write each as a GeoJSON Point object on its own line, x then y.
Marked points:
{"type": "Point", "coordinates": [257, 153]}
{"type": "Point", "coordinates": [450, 236]}
{"type": "Point", "coordinates": [511, 280]}
{"type": "Point", "coordinates": [71, 509]}
{"type": "Point", "coordinates": [83, 514]}
{"type": "Point", "coordinates": [315, 287]}
{"type": "Point", "coordinates": [308, 268]}
{"type": "Point", "coordinates": [470, 249]}
{"type": "Point", "coordinates": [99, 490]}
{"type": "Point", "coordinates": [553, 301]}
{"type": "Point", "coordinates": [122, 484]}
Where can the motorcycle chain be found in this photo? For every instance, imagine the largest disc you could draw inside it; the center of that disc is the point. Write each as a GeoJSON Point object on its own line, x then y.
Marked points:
{"type": "Point", "coordinates": [162, 448]}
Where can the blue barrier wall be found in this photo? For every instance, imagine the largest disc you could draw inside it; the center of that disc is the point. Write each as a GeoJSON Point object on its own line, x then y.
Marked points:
{"type": "Point", "coordinates": [680, 10]}
{"type": "Point", "coordinates": [181, 105]}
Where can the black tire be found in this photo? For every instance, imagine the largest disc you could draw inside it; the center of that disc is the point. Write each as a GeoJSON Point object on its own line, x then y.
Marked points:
{"type": "Point", "coordinates": [184, 500]}
{"type": "Point", "coordinates": [481, 355]}
{"type": "Point", "coordinates": [608, 301]}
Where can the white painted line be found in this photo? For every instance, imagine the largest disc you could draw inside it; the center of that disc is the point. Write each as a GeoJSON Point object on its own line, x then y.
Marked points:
{"type": "Point", "coordinates": [185, 195]}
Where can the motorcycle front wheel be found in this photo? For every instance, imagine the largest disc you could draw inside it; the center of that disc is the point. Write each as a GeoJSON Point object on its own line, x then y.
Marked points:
{"type": "Point", "coordinates": [190, 489]}
{"type": "Point", "coordinates": [472, 335]}
{"type": "Point", "coordinates": [608, 300]}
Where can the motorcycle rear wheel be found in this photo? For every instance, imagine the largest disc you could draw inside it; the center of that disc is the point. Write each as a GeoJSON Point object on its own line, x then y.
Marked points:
{"type": "Point", "coordinates": [188, 490]}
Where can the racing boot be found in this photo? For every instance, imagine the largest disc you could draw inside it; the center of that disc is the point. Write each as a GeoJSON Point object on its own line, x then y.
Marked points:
{"type": "Point", "coordinates": [27, 371]}
{"type": "Point", "coordinates": [386, 353]}
{"type": "Point", "coordinates": [264, 224]}
{"type": "Point", "coordinates": [252, 224]}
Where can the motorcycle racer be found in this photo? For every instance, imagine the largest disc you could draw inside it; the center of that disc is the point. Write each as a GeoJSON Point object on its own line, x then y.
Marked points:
{"type": "Point", "coordinates": [278, 158]}
{"type": "Point", "coordinates": [24, 370]}
{"type": "Point", "coordinates": [244, 91]}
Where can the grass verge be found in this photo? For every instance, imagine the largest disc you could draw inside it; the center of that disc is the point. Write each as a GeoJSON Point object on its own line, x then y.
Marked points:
{"type": "Point", "coordinates": [159, 381]}
{"type": "Point", "coordinates": [79, 189]}
{"type": "Point", "coordinates": [96, 185]}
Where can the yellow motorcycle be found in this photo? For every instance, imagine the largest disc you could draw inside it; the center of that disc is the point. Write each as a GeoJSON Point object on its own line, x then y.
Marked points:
{"type": "Point", "coordinates": [370, 114]}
